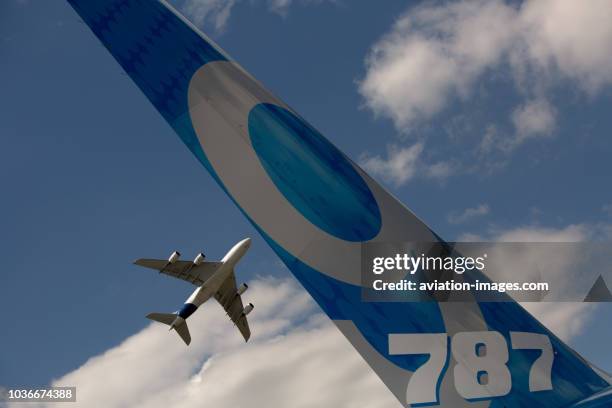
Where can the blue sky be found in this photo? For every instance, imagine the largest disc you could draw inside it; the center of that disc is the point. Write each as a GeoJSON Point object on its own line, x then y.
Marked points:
{"type": "Point", "coordinates": [510, 135]}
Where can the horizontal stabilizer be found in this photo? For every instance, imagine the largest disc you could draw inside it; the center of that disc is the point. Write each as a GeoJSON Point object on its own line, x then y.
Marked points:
{"type": "Point", "coordinates": [168, 319]}
{"type": "Point", "coordinates": [165, 318]}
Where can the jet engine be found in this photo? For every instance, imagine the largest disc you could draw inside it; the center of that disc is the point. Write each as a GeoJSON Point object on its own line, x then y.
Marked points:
{"type": "Point", "coordinates": [199, 259]}
{"type": "Point", "coordinates": [174, 257]}
{"type": "Point", "coordinates": [248, 309]}
{"type": "Point", "coordinates": [243, 288]}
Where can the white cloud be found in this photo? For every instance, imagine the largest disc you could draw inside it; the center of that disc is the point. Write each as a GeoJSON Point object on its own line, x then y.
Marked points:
{"type": "Point", "coordinates": [491, 141]}
{"type": "Point", "coordinates": [534, 118]}
{"type": "Point", "coordinates": [566, 319]}
{"type": "Point", "coordinates": [281, 7]}
{"type": "Point", "coordinates": [398, 168]}
{"type": "Point", "coordinates": [570, 233]}
{"type": "Point", "coordinates": [216, 13]}
{"type": "Point", "coordinates": [436, 53]}
{"type": "Point", "coordinates": [213, 12]}
{"type": "Point", "coordinates": [440, 170]}
{"type": "Point", "coordinates": [402, 164]}
{"type": "Point", "coordinates": [470, 237]}
{"type": "Point", "coordinates": [468, 214]}
{"type": "Point", "coordinates": [292, 344]}
{"type": "Point", "coordinates": [572, 37]}
{"type": "Point", "coordinates": [431, 53]}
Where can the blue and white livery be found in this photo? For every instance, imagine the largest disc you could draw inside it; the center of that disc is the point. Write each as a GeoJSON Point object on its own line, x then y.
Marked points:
{"type": "Point", "coordinates": [315, 208]}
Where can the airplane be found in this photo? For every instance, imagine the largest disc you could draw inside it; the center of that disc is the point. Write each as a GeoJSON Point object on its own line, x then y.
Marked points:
{"type": "Point", "coordinates": [213, 279]}
{"type": "Point", "coordinates": [315, 208]}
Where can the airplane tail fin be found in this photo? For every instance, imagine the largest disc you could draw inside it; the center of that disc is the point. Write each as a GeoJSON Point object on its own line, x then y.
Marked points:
{"type": "Point", "coordinates": [183, 331]}
{"type": "Point", "coordinates": [529, 366]}
{"type": "Point", "coordinates": [168, 319]}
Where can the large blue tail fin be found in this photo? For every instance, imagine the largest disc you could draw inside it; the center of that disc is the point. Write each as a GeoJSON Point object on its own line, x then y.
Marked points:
{"type": "Point", "coordinates": [315, 208]}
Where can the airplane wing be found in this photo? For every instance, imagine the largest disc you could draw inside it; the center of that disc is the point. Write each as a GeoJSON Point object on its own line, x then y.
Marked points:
{"type": "Point", "coordinates": [184, 270]}
{"type": "Point", "coordinates": [315, 207]}
{"type": "Point", "coordinates": [230, 300]}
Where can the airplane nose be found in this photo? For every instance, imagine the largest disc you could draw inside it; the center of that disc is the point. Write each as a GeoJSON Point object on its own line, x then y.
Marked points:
{"type": "Point", "coordinates": [247, 242]}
